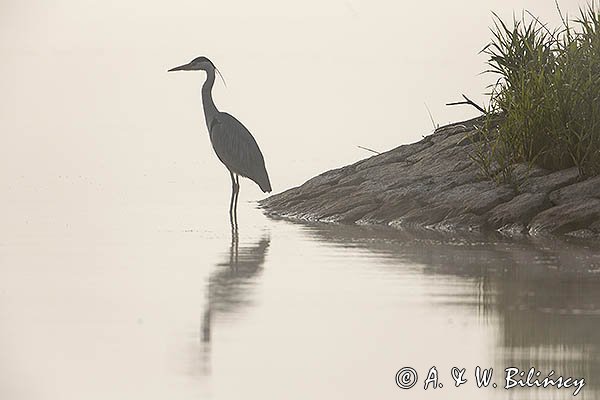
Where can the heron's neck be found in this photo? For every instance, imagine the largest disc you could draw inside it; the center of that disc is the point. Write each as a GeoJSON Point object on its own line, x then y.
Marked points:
{"type": "Point", "coordinates": [210, 110]}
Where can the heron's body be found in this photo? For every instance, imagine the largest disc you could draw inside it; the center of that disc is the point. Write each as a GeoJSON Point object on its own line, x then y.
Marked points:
{"type": "Point", "coordinates": [237, 149]}
{"type": "Point", "coordinates": [232, 142]}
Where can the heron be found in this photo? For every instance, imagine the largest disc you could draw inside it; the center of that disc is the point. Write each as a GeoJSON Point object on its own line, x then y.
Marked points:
{"type": "Point", "coordinates": [231, 140]}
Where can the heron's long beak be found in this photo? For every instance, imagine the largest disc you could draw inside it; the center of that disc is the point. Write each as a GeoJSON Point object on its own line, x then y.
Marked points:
{"type": "Point", "coordinates": [180, 68]}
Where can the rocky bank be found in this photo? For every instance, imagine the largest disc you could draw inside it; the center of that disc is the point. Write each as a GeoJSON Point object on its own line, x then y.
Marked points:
{"type": "Point", "coordinates": [434, 184]}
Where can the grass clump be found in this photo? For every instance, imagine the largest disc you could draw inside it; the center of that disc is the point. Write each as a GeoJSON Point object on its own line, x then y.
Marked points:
{"type": "Point", "coordinates": [547, 94]}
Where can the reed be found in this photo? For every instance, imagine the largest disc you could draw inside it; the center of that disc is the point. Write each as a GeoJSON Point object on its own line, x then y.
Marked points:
{"type": "Point", "coordinates": [548, 94]}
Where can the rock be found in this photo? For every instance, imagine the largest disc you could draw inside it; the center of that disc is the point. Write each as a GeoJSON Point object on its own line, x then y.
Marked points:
{"type": "Point", "coordinates": [435, 184]}
{"type": "Point", "coordinates": [355, 213]}
{"type": "Point", "coordinates": [398, 154]}
{"type": "Point", "coordinates": [589, 188]}
{"type": "Point", "coordinates": [520, 210]}
{"type": "Point", "coordinates": [475, 198]}
{"type": "Point", "coordinates": [572, 216]}
{"type": "Point", "coordinates": [549, 182]}
{"type": "Point", "coordinates": [462, 223]}
{"type": "Point", "coordinates": [524, 172]}
{"type": "Point", "coordinates": [422, 217]}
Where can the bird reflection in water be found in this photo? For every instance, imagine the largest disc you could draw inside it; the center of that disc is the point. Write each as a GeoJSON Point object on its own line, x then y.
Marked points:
{"type": "Point", "coordinates": [229, 285]}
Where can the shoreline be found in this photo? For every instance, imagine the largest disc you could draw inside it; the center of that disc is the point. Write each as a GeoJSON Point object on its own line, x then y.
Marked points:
{"type": "Point", "coordinates": [434, 184]}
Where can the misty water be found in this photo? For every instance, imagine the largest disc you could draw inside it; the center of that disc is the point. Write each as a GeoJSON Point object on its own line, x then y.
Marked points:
{"type": "Point", "coordinates": [167, 302]}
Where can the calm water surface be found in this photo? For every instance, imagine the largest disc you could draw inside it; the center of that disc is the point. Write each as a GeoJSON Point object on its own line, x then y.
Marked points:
{"type": "Point", "coordinates": [163, 302]}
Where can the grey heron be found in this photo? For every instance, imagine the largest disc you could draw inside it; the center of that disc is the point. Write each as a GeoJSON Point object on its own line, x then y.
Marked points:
{"type": "Point", "coordinates": [232, 142]}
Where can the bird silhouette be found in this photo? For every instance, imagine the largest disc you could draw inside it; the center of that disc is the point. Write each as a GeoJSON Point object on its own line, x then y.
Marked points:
{"type": "Point", "coordinates": [231, 140]}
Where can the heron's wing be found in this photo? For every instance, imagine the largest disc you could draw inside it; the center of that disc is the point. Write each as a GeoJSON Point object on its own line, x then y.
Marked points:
{"type": "Point", "coordinates": [237, 149]}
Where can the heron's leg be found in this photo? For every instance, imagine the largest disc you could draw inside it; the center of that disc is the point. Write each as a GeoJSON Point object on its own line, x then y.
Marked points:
{"type": "Point", "coordinates": [234, 246]}
{"type": "Point", "coordinates": [237, 194]}
{"type": "Point", "coordinates": [233, 190]}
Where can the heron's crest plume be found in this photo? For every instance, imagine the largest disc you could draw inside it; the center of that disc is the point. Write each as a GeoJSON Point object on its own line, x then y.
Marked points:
{"type": "Point", "coordinates": [221, 76]}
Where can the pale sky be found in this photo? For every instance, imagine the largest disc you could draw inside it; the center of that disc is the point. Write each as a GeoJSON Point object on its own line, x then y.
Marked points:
{"type": "Point", "coordinates": [85, 90]}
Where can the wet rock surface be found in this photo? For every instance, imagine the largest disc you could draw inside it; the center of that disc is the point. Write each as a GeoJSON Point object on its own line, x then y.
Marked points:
{"type": "Point", "coordinates": [435, 184]}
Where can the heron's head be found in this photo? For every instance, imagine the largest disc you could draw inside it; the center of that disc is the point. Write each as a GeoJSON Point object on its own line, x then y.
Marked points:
{"type": "Point", "coordinates": [197, 64]}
